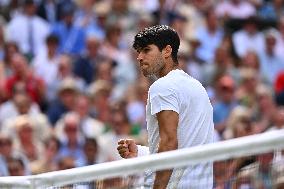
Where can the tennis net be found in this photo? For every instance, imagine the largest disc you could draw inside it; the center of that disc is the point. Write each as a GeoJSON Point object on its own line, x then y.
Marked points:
{"type": "Point", "coordinates": [249, 162]}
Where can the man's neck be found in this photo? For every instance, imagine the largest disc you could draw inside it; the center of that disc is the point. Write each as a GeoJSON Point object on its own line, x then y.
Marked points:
{"type": "Point", "coordinates": [168, 69]}
{"type": "Point", "coordinates": [152, 78]}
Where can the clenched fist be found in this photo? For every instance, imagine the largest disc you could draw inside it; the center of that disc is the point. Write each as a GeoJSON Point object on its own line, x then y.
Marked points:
{"type": "Point", "coordinates": [127, 148]}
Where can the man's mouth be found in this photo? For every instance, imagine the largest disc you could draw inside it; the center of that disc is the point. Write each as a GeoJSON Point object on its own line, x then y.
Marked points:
{"type": "Point", "coordinates": [143, 64]}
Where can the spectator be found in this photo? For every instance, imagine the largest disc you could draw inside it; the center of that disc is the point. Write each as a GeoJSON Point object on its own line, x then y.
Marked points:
{"type": "Point", "coordinates": [270, 63]}
{"type": "Point", "coordinates": [71, 140]}
{"type": "Point", "coordinates": [49, 11]}
{"type": "Point", "coordinates": [189, 59]}
{"type": "Point", "coordinates": [177, 22]}
{"type": "Point", "coordinates": [250, 61]}
{"type": "Point", "coordinates": [25, 79]}
{"type": "Point", "coordinates": [10, 9]}
{"type": "Point", "coordinates": [34, 30]}
{"type": "Point", "coordinates": [125, 71]}
{"type": "Point", "coordinates": [46, 64]}
{"type": "Point", "coordinates": [121, 15]}
{"type": "Point", "coordinates": [85, 65]}
{"type": "Point", "coordinates": [105, 71]}
{"type": "Point", "coordinates": [10, 49]}
{"type": "Point", "coordinates": [111, 46]}
{"type": "Point", "coordinates": [210, 37]}
{"type": "Point", "coordinates": [20, 104]}
{"type": "Point", "coordinates": [239, 123]}
{"type": "Point", "coordinates": [102, 9]}
{"type": "Point", "coordinates": [25, 141]}
{"type": "Point", "coordinates": [91, 152]}
{"type": "Point", "coordinates": [135, 103]}
{"type": "Point", "coordinates": [238, 9]}
{"type": "Point", "coordinates": [71, 37]}
{"type": "Point", "coordinates": [65, 67]}
{"type": "Point", "coordinates": [100, 92]}
{"type": "Point", "coordinates": [248, 38]}
{"type": "Point", "coordinates": [246, 92]}
{"type": "Point", "coordinates": [163, 12]}
{"type": "Point", "coordinates": [120, 127]}
{"type": "Point", "coordinates": [86, 18]}
{"type": "Point", "coordinates": [265, 110]}
{"type": "Point", "coordinates": [89, 126]}
{"type": "Point", "coordinates": [223, 64]}
{"type": "Point", "coordinates": [50, 156]}
{"type": "Point", "coordinates": [225, 90]}
{"type": "Point", "coordinates": [270, 11]}
{"type": "Point", "coordinates": [16, 167]}
{"type": "Point", "coordinates": [65, 102]}
{"type": "Point", "coordinates": [194, 16]}
{"type": "Point", "coordinates": [7, 151]}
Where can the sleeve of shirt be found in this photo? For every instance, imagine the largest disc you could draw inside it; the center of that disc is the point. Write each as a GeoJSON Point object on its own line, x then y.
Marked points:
{"type": "Point", "coordinates": [164, 100]}
{"type": "Point", "coordinates": [142, 150]}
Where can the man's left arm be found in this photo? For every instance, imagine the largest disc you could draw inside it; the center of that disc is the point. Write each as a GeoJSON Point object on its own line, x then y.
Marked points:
{"type": "Point", "coordinates": [168, 123]}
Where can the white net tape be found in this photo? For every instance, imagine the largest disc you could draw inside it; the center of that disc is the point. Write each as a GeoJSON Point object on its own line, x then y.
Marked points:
{"type": "Point", "coordinates": [92, 175]}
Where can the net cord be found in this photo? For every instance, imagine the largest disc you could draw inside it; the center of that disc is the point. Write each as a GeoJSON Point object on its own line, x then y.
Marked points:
{"type": "Point", "coordinates": [239, 147]}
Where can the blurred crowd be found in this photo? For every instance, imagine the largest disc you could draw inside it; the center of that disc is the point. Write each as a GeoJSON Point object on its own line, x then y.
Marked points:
{"type": "Point", "coordinates": [70, 86]}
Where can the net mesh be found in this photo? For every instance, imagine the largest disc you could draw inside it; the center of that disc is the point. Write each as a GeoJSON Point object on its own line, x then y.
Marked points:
{"type": "Point", "coordinates": [263, 171]}
{"type": "Point", "coordinates": [255, 162]}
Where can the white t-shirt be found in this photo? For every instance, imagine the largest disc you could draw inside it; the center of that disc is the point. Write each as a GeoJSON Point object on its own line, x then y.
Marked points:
{"type": "Point", "coordinates": [241, 11]}
{"type": "Point", "coordinates": [21, 26]}
{"type": "Point", "coordinates": [179, 92]}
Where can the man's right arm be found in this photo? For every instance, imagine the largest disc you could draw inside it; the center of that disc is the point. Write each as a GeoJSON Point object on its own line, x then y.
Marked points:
{"type": "Point", "coordinates": [128, 149]}
{"type": "Point", "coordinates": [143, 150]}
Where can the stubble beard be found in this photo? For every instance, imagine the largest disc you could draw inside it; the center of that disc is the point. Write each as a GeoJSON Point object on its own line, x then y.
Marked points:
{"type": "Point", "coordinates": [153, 74]}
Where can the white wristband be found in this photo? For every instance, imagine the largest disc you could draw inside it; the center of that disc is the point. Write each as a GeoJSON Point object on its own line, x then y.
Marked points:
{"type": "Point", "coordinates": [142, 150]}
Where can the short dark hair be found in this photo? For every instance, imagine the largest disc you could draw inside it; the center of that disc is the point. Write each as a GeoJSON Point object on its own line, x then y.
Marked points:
{"type": "Point", "coordinates": [29, 2]}
{"type": "Point", "coordinates": [159, 35]}
{"type": "Point", "coordinates": [52, 38]}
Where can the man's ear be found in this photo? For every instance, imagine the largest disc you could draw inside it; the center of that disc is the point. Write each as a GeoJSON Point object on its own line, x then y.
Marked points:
{"type": "Point", "coordinates": [167, 51]}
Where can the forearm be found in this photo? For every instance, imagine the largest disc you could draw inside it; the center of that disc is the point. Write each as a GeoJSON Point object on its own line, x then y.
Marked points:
{"type": "Point", "coordinates": [168, 124]}
{"type": "Point", "coordinates": [162, 177]}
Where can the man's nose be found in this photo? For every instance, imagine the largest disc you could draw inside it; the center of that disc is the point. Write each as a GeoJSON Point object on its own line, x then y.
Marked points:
{"type": "Point", "coordinates": [139, 57]}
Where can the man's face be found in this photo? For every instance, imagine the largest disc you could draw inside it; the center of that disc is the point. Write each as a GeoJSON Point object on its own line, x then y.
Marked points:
{"type": "Point", "coordinates": [19, 65]}
{"type": "Point", "coordinates": [30, 9]}
{"type": "Point", "coordinates": [92, 47]}
{"type": "Point", "coordinates": [151, 60]}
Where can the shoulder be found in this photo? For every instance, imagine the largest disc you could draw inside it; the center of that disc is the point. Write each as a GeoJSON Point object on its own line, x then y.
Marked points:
{"type": "Point", "coordinates": [16, 21]}
{"type": "Point", "coordinates": [40, 20]}
{"type": "Point", "coordinates": [58, 26]}
{"type": "Point", "coordinates": [161, 86]}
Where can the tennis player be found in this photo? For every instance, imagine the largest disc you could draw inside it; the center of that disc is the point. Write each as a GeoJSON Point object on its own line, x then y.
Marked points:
{"type": "Point", "coordinates": [178, 112]}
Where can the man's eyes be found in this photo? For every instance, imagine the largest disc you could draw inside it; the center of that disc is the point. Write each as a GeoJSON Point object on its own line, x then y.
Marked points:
{"type": "Point", "coordinates": [146, 50]}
